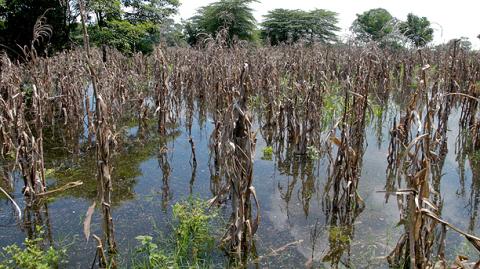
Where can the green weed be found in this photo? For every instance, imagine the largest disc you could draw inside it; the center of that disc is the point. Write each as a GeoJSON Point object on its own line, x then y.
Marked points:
{"type": "Point", "coordinates": [267, 153]}
{"type": "Point", "coordinates": [192, 242]}
{"type": "Point", "coordinates": [31, 256]}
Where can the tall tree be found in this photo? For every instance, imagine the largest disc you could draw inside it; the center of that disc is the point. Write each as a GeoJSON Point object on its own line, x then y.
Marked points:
{"type": "Point", "coordinates": [284, 25]}
{"type": "Point", "coordinates": [125, 36]}
{"type": "Point", "coordinates": [105, 10]}
{"type": "Point", "coordinates": [324, 25]}
{"type": "Point", "coordinates": [131, 25]}
{"type": "Point", "coordinates": [233, 15]}
{"type": "Point", "coordinates": [373, 25]}
{"type": "Point", "coordinates": [155, 11]}
{"type": "Point", "coordinates": [172, 33]}
{"type": "Point", "coordinates": [461, 43]}
{"type": "Point", "coordinates": [191, 31]}
{"type": "Point", "coordinates": [417, 30]}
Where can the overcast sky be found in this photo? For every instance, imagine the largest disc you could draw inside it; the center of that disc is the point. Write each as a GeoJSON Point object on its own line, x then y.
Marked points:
{"type": "Point", "coordinates": [450, 19]}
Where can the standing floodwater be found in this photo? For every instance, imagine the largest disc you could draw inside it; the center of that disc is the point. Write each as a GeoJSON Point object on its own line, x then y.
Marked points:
{"type": "Point", "coordinates": [354, 154]}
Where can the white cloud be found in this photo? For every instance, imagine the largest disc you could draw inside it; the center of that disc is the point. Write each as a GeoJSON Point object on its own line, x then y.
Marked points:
{"type": "Point", "coordinates": [450, 19]}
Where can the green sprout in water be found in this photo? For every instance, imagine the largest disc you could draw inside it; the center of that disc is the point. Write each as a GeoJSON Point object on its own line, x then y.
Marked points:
{"type": "Point", "coordinates": [192, 242]}
{"type": "Point", "coordinates": [267, 153]}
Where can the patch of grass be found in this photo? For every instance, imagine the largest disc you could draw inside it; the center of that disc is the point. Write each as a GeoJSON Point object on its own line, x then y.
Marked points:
{"type": "Point", "coordinates": [192, 242]}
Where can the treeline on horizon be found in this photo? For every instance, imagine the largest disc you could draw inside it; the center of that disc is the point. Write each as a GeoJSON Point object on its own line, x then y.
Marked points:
{"type": "Point", "coordinates": [138, 25]}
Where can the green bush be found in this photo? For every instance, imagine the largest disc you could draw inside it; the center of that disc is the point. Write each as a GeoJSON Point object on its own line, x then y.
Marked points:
{"type": "Point", "coordinates": [192, 242]}
{"type": "Point", "coordinates": [267, 153]}
{"type": "Point", "coordinates": [32, 256]}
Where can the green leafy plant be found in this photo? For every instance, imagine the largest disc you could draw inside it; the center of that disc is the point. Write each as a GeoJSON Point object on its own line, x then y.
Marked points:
{"type": "Point", "coordinates": [192, 243]}
{"type": "Point", "coordinates": [193, 236]}
{"type": "Point", "coordinates": [155, 258]}
{"type": "Point", "coordinates": [267, 153]}
{"type": "Point", "coordinates": [31, 256]}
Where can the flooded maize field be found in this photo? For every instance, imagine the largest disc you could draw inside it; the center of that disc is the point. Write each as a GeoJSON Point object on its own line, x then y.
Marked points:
{"type": "Point", "coordinates": [311, 156]}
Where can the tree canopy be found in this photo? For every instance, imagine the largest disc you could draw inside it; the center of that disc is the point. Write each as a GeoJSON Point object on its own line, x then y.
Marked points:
{"type": "Point", "coordinates": [130, 25]}
{"type": "Point", "coordinates": [138, 25]}
{"type": "Point", "coordinates": [105, 10]}
{"type": "Point", "coordinates": [19, 18]}
{"type": "Point", "coordinates": [417, 30]}
{"type": "Point", "coordinates": [373, 25]}
{"type": "Point", "coordinates": [233, 15]}
{"type": "Point", "coordinates": [154, 11]}
{"type": "Point", "coordinates": [284, 25]}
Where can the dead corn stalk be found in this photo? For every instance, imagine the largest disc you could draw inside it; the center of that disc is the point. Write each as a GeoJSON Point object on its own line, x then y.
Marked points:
{"type": "Point", "coordinates": [104, 138]}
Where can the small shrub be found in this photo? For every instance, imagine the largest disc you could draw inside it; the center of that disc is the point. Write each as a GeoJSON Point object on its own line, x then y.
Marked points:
{"type": "Point", "coordinates": [193, 236]}
{"type": "Point", "coordinates": [155, 257]}
{"type": "Point", "coordinates": [32, 256]}
{"type": "Point", "coordinates": [267, 153]}
{"type": "Point", "coordinates": [192, 243]}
